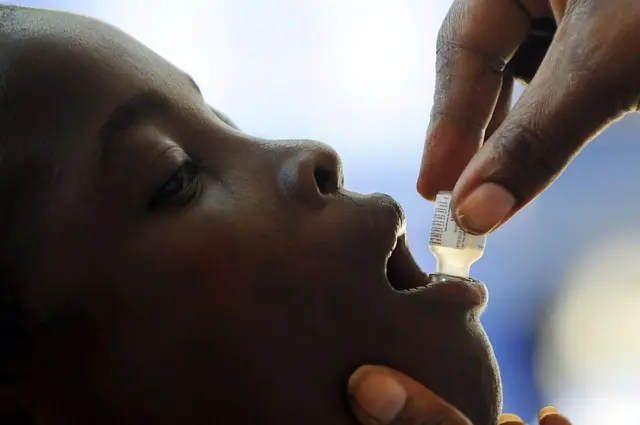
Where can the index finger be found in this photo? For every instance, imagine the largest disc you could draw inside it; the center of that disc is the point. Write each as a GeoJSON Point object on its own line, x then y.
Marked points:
{"type": "Point", "coordinates": [475, 42]}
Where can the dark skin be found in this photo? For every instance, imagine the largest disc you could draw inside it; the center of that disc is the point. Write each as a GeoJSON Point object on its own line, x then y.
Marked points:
{"type": "Point", "coordinates": [176, 270]}
{"type": "Point", "coordinates": [580, 62]}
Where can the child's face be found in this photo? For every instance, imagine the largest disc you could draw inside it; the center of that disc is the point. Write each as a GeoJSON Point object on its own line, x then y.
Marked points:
{"type": "Point", "coordinates": [183, 272]}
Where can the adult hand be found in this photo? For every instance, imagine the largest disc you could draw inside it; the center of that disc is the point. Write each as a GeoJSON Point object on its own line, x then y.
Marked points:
{"type": "Point", "coordinates": [583, 68]}
{"type": "Point", "coordinates": [383, 396]}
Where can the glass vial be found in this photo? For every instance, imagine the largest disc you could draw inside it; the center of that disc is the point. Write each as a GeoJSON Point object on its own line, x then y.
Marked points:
{"type": "Point", "coordinates": [454, 249]}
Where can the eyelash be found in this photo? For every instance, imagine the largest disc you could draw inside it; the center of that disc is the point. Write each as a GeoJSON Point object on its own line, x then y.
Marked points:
{"type": "Point", "coordinates": [179, 189]}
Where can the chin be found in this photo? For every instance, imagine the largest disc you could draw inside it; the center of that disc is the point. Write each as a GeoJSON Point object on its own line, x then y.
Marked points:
{"type": "Point", "coordinates": [471, 383]}
{"type": "Point", "coordinates": [444, 349]}
{"type": "Point", "coordinates": [462, 370]}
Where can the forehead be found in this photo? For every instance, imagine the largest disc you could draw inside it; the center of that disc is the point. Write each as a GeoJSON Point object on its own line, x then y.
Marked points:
{"type": "Point", "coordinates": [61, 76]}
{"type": "Point", "coordinates": [66, 70]}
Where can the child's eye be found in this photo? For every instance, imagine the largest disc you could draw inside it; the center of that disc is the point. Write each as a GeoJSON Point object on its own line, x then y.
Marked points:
{"type": "Point", "coordinates": [179, 189]}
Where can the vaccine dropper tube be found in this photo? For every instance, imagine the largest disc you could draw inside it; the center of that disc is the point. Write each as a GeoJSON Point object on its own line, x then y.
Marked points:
{"type": "Point", "coordinates": [454, 249]}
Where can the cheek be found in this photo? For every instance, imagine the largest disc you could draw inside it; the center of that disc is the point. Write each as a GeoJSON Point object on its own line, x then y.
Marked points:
{"type": "Point", "coordinates": [185, 277]}
{"type": "Point", "coordinates": [153, 331]}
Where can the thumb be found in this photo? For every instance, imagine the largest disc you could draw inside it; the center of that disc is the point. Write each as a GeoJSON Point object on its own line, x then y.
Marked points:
{"type": "Point", "coordinates": [383, 396]}
{"type": "Point", "coordinates": [585, 81]}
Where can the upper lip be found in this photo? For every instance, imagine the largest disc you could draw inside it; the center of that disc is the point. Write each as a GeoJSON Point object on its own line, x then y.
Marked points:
{"type": "Point", "coordinates": [405, 276]}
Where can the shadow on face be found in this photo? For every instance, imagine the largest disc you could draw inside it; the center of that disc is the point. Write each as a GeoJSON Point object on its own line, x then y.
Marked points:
{"type": "Point", "coordinates": [176, 270]}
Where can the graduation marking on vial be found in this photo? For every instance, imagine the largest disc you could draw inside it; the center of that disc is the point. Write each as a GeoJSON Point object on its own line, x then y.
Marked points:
{"type": "Point", "coordinates": [454, 249]}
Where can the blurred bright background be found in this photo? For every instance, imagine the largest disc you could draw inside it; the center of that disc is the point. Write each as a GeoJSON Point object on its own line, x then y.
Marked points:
{"type": "Point", "coordinates": [564, 275]}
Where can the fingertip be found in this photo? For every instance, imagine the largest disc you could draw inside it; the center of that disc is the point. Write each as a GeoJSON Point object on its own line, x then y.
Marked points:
{"type": "Point", "coordinates": [449, 147]}
{"type": "Point", "coordinates": [357, 380]}
{"type": "Point", "coordinates": [484, 208]}
{"type": "Point", "coordinates": [424, 189]}
{"type": "Point", "coordinates": [376, 396]}
{"type": "Point", "coordinates": [551, 416]}
{"type": "Point", "coordinates": [546, 411]}
{"type": "Point", "coordinates": [357, 376]}
{"type": "Point", "coordinates": [509, 419]}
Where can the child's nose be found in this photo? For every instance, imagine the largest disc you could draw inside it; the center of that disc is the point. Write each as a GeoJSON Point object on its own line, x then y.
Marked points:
{"type": "Point", "coordinates": [311, 174]}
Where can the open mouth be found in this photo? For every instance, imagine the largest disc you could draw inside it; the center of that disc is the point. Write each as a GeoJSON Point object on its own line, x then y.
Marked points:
{"type": "Point", "coordinates": [403, 273]}
{"type": "Point", "coordinates": [405, 276]}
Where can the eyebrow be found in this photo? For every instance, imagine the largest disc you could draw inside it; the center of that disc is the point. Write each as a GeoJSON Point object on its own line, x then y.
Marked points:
{"type": "Point", "coordinates": [135, 109]}
{"type": "Point", "coordinates": [130, 112]}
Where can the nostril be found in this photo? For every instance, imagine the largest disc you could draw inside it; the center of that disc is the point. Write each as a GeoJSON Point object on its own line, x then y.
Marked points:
{"type": "Point", "coordinates": [310, 174]}
{"type": "Point", "coordinates": [326, 180]}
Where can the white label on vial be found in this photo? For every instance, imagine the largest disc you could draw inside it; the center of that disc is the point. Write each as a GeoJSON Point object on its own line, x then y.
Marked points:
{"type": "Point", "coordinates": [445, 231]}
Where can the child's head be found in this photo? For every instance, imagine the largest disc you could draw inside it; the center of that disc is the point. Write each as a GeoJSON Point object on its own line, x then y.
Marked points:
{"type": "Point", "coordinates": [159, 266]}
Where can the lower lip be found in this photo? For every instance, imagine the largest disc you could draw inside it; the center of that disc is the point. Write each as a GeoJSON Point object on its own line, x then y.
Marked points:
{"type": "Point", "coordinates": [469, 292]}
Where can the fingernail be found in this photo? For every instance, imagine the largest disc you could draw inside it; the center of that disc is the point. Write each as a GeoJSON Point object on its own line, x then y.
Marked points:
{"type": "Point", "coordinates": [377, 394]}
{"type": "Point", "coordinates": [484, 208]}
{"type": "Point", "coordinates": [549, 410]}
{"type": "Point", "coordinates": [508, 418]}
